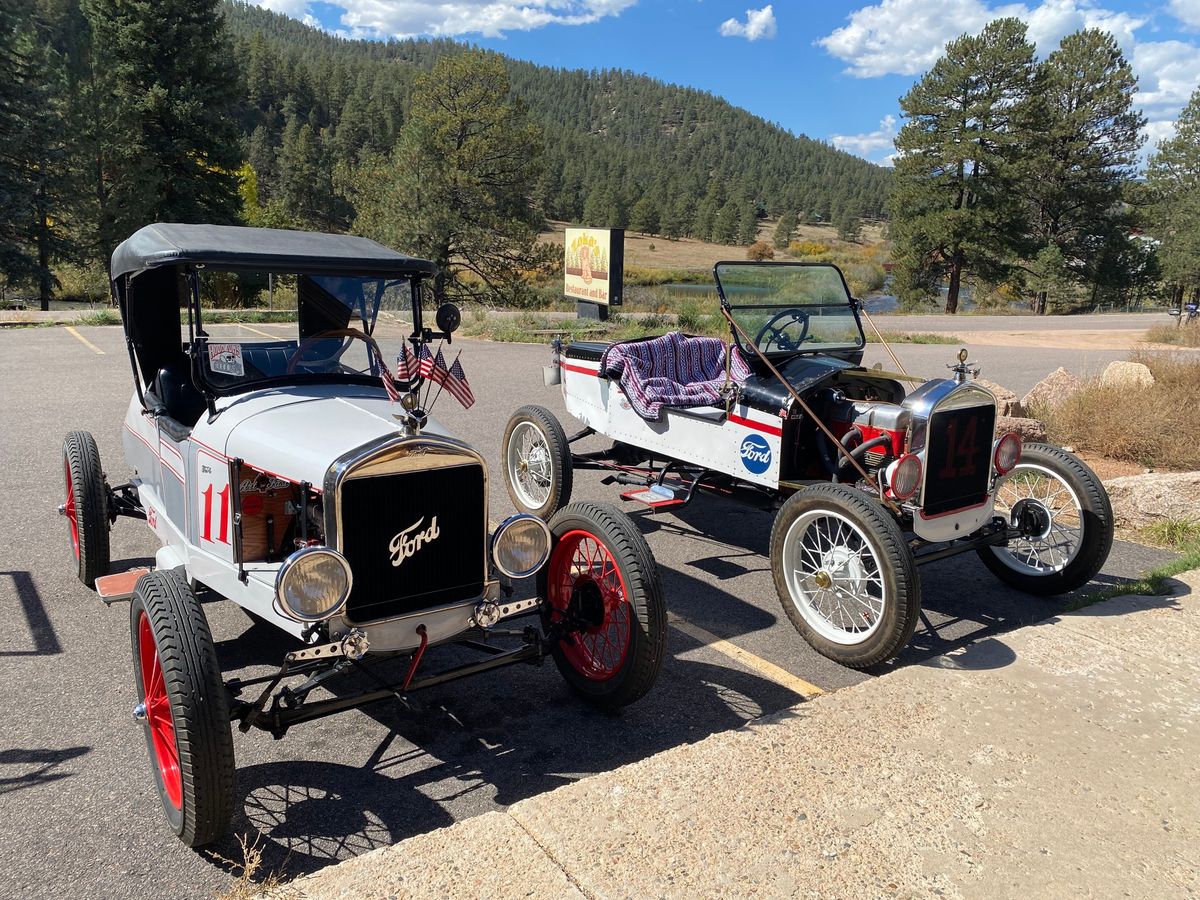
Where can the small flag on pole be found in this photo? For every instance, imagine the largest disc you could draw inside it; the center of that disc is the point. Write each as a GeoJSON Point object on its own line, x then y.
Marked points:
{"type": "Point", "coordinates": [426, 365]}
{"type": "Point", "coordinates": [456, 384]}
{"type": "Point", "coordinates": [407, 367]}
{"type": "Point", "coordinates": [437, 370]}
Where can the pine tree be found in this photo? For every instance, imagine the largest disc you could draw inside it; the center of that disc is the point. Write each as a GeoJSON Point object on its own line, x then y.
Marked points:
{"type": "Point", "coordinates": [1082, 146]}
{"type": "Point", "coordinates": [456, 187]}
{"type": "Point", "coordinates": [171, 149]}
{"type": "Point", "coordinates": [644, 215]}
{"type": "Point", "coordinates": [784, 229]}
{"type": "Point", "coordinates": [849, 223]}
{"type": "Point", "coordinates": [747, 227]}
{"type": "Point", "coordinates": [1173, 177]}
{"type": "Point", "coordinates": [725, 228]}
{"type": "Point", "coordinates": [953, 205]}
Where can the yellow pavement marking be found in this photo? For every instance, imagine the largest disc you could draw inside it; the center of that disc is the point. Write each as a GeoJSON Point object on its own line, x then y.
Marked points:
{"type": "Point", "coordinates": [265, 334]}
{"type": "Point", "coordinates": [768, 670]}
{"type": "Point", "coordinates": [84, 341]}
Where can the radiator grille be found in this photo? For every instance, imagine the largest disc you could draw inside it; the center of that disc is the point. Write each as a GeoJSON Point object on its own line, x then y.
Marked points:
{"type": "Point", "coordinates": [959, 462]}
{"type": "Point", "coordinates": [391, 517]}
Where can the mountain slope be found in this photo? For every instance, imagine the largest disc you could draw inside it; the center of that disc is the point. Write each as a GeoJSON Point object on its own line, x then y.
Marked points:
{"type": "Point", "coordinates": [612, 137]}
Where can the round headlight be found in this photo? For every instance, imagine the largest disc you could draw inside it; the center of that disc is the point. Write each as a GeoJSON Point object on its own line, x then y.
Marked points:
{"type": "Point", "coordinates": [313, 583]}
{"type": "Point", "coordinates": [521, 545]}
{"type": "Point", "coordinates": [1007, 453]}
{"type": "Point", "coordinates": [904, 476]}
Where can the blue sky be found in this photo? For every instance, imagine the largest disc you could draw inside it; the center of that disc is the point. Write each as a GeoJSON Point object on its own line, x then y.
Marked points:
{"type": "Point", "coordinates": [832, 71]}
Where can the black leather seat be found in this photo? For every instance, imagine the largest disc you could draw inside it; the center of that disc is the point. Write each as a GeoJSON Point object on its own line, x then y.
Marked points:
{"type": "Point", "coordinates": [173, 388]}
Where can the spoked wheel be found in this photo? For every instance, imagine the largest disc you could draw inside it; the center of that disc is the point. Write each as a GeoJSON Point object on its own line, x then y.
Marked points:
{"type": "Point", "coordinates": [845, 575]}
{"type": "Point", "coordinates": [85, 506]}
{"type": "Point", "coordinates": [183, 707]}
{"type": "Point", "coordinates": [537, 462]}
{"type": "Point", "coordinates": [1067, 521]}
{"type": "Point", "coordinates": [604, 598]}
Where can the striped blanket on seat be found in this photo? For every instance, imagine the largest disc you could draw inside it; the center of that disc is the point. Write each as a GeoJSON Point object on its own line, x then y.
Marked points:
{"type": "Point", "coordinates": [672, 370]}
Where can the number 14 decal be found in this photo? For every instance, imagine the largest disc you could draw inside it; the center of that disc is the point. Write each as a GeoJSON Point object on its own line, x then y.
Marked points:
{"type": "Point", "coordinates": [961, 449]}
{"type": "Point", "coordinates": [222, 517]}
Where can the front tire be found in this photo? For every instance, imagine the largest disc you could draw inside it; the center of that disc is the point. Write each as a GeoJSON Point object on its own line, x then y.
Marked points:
{"type": "Point", "coordinates": [537, 462]}
{"type": "Point", "coordinates": [603, 596]}
{"type": "Point", "coordinates": [1075, 518]}
{"type": "Point", "coordinates": [86, 506]}
{"type": "Point", "coordinates": [845, 575]}
{"type": "Point", "coordinates": [183, 707]}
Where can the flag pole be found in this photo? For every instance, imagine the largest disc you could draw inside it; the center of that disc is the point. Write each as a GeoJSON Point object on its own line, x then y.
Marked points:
{"type": "Point", "coordinates": [443, 382]}
{"type": "Point", "coordinates": [429, 387]}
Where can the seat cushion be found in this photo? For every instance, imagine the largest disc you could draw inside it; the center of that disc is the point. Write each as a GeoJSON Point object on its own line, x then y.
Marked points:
{"type": "Point", "coordinates": [673, 370]}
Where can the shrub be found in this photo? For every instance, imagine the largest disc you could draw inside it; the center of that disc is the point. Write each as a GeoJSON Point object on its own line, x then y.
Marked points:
{"type": "Point", "coordinates": [807, 248]}
{"type": "Point", "coordinates": [1172, 333]}
{"type": "Point", "coordinates": [760, 250]}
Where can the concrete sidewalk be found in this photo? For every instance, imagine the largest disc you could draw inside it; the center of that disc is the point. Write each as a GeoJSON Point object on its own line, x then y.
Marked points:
{"type": "Point", "coordinates": [1058, 760]}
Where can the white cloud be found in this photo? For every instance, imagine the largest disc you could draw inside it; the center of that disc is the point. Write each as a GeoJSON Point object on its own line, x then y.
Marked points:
{"type": "Point", "coordinates": [869, 143]}
{"type": "Point", "coordinates": [1186, 11]}
{"type": "Point", "coordinates": [905, 37]}
{"type": "Point", "coordinates": [760, 23]}
{"type": "Point", "coordinates": [490, 18]}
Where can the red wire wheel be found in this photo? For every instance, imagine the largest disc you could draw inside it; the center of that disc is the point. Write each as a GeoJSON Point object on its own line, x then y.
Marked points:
{"type": "Point", "coordinates": [603, 605]}
{"type": "Point", "coordinates": [156, 707]}
{"type": "Point", "coordinates": [183, 707]}
{"type": "Point", "coordinates": [85, 506]}
{"type": "Point", "coordinates": [586, 588]}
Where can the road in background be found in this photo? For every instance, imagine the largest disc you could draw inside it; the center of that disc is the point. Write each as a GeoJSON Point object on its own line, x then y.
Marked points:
{"type": "Point", "coordinates": [75, 786]}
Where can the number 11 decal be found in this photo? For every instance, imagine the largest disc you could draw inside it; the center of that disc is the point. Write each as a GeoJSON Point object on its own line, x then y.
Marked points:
{"type": "Point", "coordinates": [223, 515]}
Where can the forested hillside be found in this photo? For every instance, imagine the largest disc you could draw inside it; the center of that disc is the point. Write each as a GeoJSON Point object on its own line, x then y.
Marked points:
{"type": "Point", "coordinates": [620, 149]}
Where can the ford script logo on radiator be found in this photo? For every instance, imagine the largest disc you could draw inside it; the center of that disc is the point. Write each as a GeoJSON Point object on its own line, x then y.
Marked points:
{"type": "Point", "coordinates": [411, 539]}
{"type": "Point", "coordinates": [756, 454]}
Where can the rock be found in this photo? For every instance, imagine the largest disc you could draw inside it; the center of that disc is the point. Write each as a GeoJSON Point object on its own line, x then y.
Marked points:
{"type": "Point", "coordinates": [1141, 500]}
{"type": "Point", "coordinates": [1030, 430]}
{"type": "Point", "coordinates": [1053, 390]}
{"type": "Point", "coordinates": [1007, 403]}
{"type": "Point", "coordinates": [1126, 374]}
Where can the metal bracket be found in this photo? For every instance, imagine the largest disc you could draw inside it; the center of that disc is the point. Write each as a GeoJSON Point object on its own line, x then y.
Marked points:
{"type": "Point", "coordinates": [353, 646]}
{"type": "Point", "coordinates": [489, 612]}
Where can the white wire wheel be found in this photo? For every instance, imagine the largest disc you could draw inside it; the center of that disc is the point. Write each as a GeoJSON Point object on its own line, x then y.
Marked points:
{"type": "Point", "coordinates": [845, 575]}
{"type": "Point", "coordinates": [1069, 523]}
{"type": "Point", "coordinates": [537, 462]}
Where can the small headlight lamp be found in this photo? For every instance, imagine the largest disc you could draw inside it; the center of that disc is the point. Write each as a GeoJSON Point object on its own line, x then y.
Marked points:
{"type": "Point", "coordinates": [904, 476]}
{"type": "Point", "coordinates": [1007, 453]}
{"type": "Point", "coordinates": [313, 584]}
{"type": "Point", "coordinates": [521, 545]}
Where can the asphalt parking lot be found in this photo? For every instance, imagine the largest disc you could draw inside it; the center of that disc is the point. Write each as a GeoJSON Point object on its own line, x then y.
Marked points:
{"type": "Point", "coordinates": [75, 788]}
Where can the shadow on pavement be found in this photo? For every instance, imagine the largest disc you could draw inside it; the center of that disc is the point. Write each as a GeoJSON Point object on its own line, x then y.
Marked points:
{"type": "Point", "coordinates": [45, 640]}
{"type": "Point", "coordinates": [43, 765]}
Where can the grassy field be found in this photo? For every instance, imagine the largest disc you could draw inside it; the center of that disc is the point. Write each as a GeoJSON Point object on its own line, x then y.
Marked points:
{"type": "Point", "coordinates": [1176, 334]}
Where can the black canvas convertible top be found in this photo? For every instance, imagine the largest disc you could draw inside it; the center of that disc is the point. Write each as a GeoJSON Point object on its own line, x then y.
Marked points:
{"type": "Point", "coordinates": [261, 249]}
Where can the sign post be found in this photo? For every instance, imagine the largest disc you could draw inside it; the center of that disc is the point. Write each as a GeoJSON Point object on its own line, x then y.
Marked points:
{"type": "Point", "coordinates": [594, 269]}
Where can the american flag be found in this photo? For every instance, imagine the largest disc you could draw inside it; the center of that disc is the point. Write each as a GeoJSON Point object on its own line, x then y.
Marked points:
{"type": "Point", "coordinates": [388, 384]}
{"type": "Point", "coordinates": [456, 383]}
{"type": "Point", "coordinates": [407, 367]}
{"type": "Point", "coordinates": [427, 361]}
{"type": "Point", "coordinates": [436, 370]}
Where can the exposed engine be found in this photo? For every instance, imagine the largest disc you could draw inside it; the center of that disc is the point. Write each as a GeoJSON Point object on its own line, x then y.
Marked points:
{"type": "Point", "coordinates": [271, 516]}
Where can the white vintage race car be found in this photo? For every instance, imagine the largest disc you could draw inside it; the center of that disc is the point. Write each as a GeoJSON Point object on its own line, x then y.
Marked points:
{"type": "Point", "coordinates": [300, 480]}
{"type": "Point", "coordinates": [869, 480]}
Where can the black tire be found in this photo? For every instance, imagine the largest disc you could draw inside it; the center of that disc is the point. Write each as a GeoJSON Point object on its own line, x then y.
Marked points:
{"type": "Point", "coordinates": [558, 457]}
{"type": "Point", "coordinates": [197, 703]}
{"type": "Point", "coordinates": [1093, 516]}
{"type": "Point", "coordinates": [886, 573]}
{"type": "Point", "coordinates": [86, 506]}
{"type": "Point", "coordinates": [615, 679]}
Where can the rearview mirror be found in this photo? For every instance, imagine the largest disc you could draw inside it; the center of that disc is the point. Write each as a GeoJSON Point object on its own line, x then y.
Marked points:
{"type": "Point", "coordinates": [448, 318]}
{"type": "Point", "coordinates": [1172, 312]}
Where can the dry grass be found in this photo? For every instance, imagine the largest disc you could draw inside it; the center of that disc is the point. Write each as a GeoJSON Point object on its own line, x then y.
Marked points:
{"type": "Point", "coordinates": [249, 883]}
{"type": "Point", "coordinates": [1155, 426]}
{"type": "Point", "coordinates": [1179, 335]}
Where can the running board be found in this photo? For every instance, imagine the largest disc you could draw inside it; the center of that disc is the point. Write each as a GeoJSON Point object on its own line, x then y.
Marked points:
{"type": "Point", "coordinates": [115, 588]}
{"type": "Point", "coordinates": [656, 497]}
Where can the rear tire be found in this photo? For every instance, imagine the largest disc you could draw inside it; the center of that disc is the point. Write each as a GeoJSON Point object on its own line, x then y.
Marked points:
{"type": "Point", "coordinates": [1079, 528]}
{"type": "Point", "coordinates": [183, 707]}
{"type": "Point", "coordinates": [601, 589]}
{"type": "Point", "coordinates": [537, 462]}
{"type": "Point", "coordinates": [845, 575]}
{"type": "Point", "coordinates": [86, 506]}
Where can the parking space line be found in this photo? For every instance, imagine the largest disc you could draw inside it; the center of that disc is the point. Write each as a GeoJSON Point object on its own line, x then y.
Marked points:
{"type": "Point", "coordinates": [768, 670]}
{"type": "Point", "coordinates": [84, 341]}
{"type": "Point", "coordinates": [265, 334]}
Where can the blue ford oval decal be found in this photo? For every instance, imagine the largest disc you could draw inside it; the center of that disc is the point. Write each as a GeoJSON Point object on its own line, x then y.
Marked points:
{"type": "Point", "coordinates": [756, 454]}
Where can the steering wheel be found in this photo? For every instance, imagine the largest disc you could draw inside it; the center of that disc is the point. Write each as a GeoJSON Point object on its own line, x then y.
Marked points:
{"type": "Point", "coordinates": [776, 328]}
{"type": "Point", "coordinates": [297, 358]}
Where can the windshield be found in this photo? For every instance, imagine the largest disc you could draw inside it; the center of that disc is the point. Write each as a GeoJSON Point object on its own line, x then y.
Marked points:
{"type": "Point", "coordinates": [326, 315]}
{"type": "Point", "coordinates": [789, 307]}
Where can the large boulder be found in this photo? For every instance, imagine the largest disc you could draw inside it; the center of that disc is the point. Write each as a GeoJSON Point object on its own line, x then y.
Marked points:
{"type": "Point", "coordinates": [1141, 500]}
{"type": "Point", "coordinates": [1030, 430]}
{"type": "Point", "coordinates": [1126, 374]}
{"type": "Point", "coordinates": [1007, 403]}
{"type": "Point", "coordinates": [1053, 390]}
